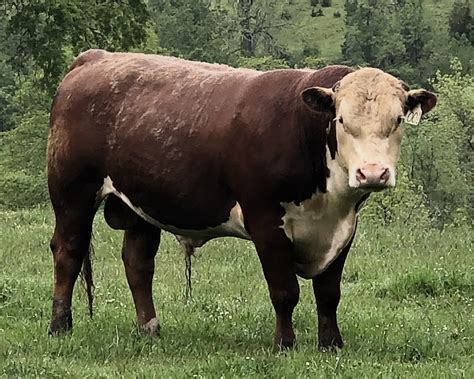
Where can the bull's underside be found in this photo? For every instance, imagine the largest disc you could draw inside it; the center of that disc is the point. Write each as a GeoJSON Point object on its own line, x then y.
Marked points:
{"type": "Point", "coordinates": [201, 151]}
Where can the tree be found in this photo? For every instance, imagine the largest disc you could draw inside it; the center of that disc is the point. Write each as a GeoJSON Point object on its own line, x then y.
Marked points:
{"type": "Point", "coordinates": [7, 90]}
{"type": "Point", "coordinates": [439, 151]}
{"type": "Point", "coordinates": [414, 30]}
{"type": "Point", "coordinates": [7, 80]}
{"type": "Point", "coordinates": [392, 35]}
{"type": "Point", "coordinates": [371, 37]}
{"type": "Point", "coordinates": [258, 22]}
{"type": "Point", "coordinates": [51, 31]}
{"type": "Point", "coordinates": [221, 31]}
{"type": "Point", "coordinates": [444, 48]}
{"type": "Point", "coordinates": [23, 149]}
{"type": "Point", "coordinates": [416, 37]}
{"type": "Point", "coordinates": [461, 22]}
{"type": "Point", "coordinates": [263, 63]}
{"type": "Point", "coordinates": [247, 35]}
{"type": "Point", "coordinates": [195, 30]}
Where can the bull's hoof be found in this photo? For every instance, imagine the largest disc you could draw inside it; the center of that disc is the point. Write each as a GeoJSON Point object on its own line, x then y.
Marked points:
{"type": "Point", "coordinates": [152, 327]}
{"type": "Point", "coordinates": [60, 324]}
{"type": "Point", "coordinates": [330, 342]}
{"type": "Point", "coordinates": [283, 344]}
{"type": "Point", "coordinates": [61, 320]}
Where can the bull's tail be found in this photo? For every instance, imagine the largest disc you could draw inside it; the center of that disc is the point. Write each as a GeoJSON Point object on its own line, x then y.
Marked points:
{"type": "Point", "coordinates": [188, 272]}
{"type": "Point", "coordinates": [86, 278]}
{"type": "Point", "coordinates": [188, 248]}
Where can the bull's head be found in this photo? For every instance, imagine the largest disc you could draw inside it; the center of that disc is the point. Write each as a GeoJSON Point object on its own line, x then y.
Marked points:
{"type": "Point", "coordinates": [369, 106]}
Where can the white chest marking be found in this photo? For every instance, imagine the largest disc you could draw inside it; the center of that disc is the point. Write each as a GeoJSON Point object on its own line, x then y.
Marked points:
{"type": "Point", "coordinates": [321, 226]}
{"type": "Point", "coordinates": [233, 227]}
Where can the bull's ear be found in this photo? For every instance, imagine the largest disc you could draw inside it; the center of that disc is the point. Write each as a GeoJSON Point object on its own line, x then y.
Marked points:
{"type": "Point", "coordinates": [425, 98]}
{"type": "Point", "coordinates": [319, 99]}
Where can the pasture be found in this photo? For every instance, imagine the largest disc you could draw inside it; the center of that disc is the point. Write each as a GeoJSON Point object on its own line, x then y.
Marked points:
{"type": "Point", "coordinates": [406, 310]}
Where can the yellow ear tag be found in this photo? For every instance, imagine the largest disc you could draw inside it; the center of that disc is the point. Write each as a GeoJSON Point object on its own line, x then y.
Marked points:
{"type": "Point", "coordinates": [413, 117]}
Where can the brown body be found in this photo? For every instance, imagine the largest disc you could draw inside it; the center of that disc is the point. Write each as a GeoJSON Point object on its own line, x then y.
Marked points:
{"type": "Point", "coordinates": [196, 149]}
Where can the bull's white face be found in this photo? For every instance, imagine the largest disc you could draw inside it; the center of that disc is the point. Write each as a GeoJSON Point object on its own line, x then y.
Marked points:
{"type": "Point", "coordinates": [370, 106]}
{"type": "Point", "coordinates": [369, 134]}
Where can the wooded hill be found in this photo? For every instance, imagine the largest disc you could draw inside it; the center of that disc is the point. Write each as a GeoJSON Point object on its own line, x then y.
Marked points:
{"type": "Point", "coordinates": [426, 43]}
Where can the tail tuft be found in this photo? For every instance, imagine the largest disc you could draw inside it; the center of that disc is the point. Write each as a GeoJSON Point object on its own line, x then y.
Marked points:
{"type": "Point", "coordinates": [188, 273]}
{"type": "Point", "coordinates": [86, 279]}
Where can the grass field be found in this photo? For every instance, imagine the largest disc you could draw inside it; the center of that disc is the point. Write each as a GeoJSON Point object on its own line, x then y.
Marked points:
{"type": "Point", "coordinates": [406, 310]}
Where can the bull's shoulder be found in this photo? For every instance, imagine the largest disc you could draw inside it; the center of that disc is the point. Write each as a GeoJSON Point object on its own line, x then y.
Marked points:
{"type": "Point", "coordinates": [283, 80]}
{"type": "Point", "coordinates": [329, 75]}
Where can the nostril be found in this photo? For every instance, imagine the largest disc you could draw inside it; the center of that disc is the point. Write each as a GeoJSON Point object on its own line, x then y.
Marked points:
{"type": "Point", "coordinates": [360, 175]}
{"type": "Point", "coordinates": [385, 175]}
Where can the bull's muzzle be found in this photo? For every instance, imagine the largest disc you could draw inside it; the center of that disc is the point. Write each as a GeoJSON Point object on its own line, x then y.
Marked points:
{"type": "Point", "coordinates": [373, 176]}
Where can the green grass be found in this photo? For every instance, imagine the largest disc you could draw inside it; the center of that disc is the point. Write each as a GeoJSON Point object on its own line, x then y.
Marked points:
{"type": "Point", "coordinates": [406, 310]}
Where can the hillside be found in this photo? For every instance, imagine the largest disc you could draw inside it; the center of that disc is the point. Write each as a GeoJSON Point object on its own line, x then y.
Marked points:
{"type": "Point", "coordinates": [327, 31]}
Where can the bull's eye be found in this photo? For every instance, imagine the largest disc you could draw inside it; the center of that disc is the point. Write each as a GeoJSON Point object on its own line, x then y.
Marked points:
{"type": "Point", "coordinates": [399, 120]}
{"type": "Point", "coordinates": [341, 121]}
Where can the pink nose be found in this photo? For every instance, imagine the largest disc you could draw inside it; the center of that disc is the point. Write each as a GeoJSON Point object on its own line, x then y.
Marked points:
{"type": "Point", "coordinates": [372, 175]}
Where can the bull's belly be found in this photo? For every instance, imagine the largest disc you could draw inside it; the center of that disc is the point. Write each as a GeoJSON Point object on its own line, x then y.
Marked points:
{"type": "Point", "coordinates": [232, 227]}
{"type": "Point", "coordinates": [319, 232]}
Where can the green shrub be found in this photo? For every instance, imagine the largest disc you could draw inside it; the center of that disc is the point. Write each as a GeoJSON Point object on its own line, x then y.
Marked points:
{"type": "Point", "coordinates": [22, 190]}
{"type": "Point", "coordinates": [23, 162]}
{"type": "Point", "coordinates": [406, 203]}
{"type": "Point", "coordinates": [438, 151]}
{"type": "Point", "coordinates": [263, 63]}
{"type": "Point", "coordinates": [314, 62]}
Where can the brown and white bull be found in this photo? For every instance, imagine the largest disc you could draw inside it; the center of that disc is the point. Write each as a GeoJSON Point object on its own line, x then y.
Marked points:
{"type": "Point", "coordinates": [283, 158]}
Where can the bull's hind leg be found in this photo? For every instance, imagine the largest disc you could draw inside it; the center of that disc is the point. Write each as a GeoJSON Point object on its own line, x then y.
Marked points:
{"type": "Point", "coordinates": [69, 245]}
{"type": "Point", "coordinates": [140, 245]}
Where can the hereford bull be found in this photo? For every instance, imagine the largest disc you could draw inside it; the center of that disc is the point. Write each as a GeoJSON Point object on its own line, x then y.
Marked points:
{"type": "Point", "coordinates": [283, 158]}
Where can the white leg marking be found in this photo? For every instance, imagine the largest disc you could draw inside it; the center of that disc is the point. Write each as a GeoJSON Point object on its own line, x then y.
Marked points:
{"type": "Point", "coordinates": [151, 327]}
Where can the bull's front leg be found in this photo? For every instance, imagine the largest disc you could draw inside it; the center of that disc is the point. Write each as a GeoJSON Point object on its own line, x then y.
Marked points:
{"type": "Point", "coordinates": [275, 253]}
{"type": "Point", "coordinates": [327, 290]}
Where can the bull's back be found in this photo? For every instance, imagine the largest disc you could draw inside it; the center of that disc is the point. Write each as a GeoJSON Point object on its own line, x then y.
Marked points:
{"type": "Point", "coordinates": [145, 96]}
